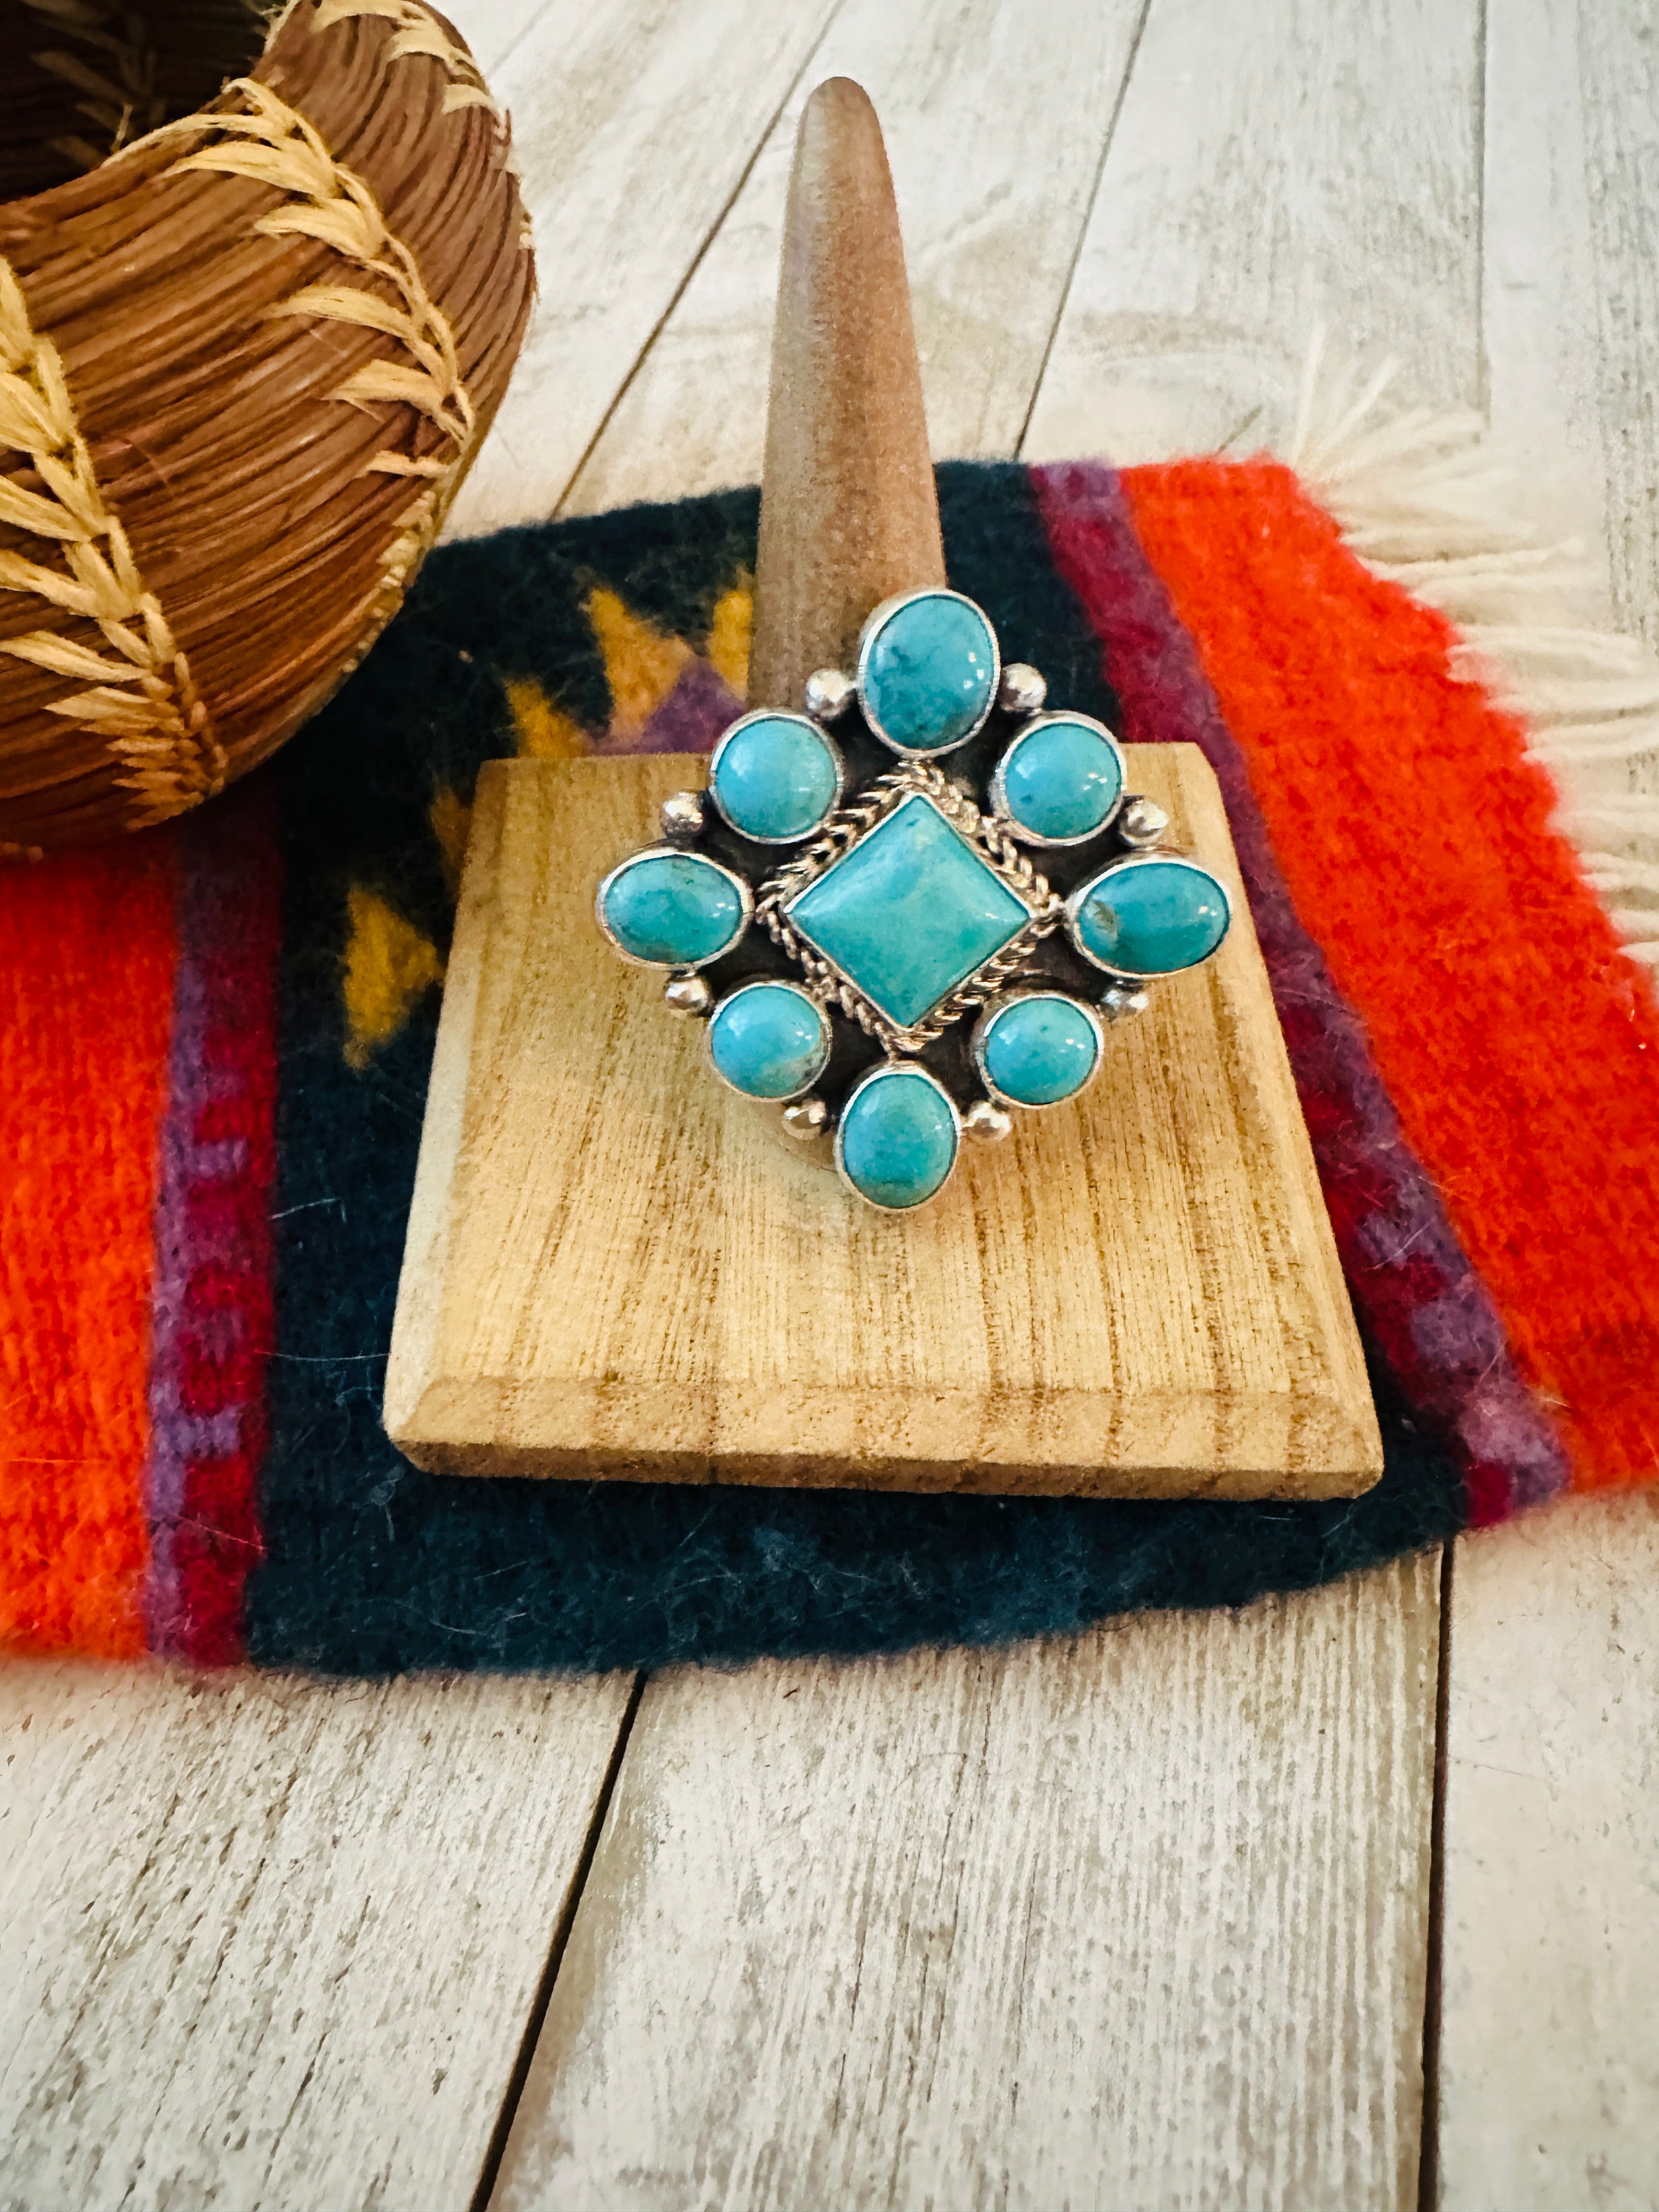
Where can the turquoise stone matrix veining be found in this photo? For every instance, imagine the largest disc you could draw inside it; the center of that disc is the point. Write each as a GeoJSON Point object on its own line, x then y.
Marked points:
{"type": "Point", "coordinates": [896, 1144]}
{"type": "Point", "coordinates": [673, 909]}
{"type": "Point", "coordinates": [910, 913]}
{"type": "Point", "coordinates": [927, 672]}
{"type": "Point", "coordinates": [1037, 1049]}
{"type": "Point", "coordinates": [1151, 917]}
{"type": "Point", "coordinates": [1059, 782]}
{"type": "Point", "coordinates": [769, 1040]}
{"type": "Point", "coordinates": [774, 777]}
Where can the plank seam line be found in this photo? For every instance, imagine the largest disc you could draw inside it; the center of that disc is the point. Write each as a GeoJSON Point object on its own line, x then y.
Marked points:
{"type": "Point", "coordinates": [762, 142]}
{"type": "Point", "coordinates": [1428, 2164]}
{"type": "Point", "coordinates": [537, 2016]}
{"type": "Point", "coordinates": [1482, 363]}
{"type": "Point", "coordinates": [1083, 227]}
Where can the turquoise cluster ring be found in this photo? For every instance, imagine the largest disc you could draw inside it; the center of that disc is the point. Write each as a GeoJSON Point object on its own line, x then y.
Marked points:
{"type": "Point", "coordinates": [867, 933]}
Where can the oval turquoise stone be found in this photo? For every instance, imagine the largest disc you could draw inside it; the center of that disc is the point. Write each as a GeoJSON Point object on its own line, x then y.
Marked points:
{"type": "Point", "coordinates": [1150, 917]}
{"type": "Point", "coordinates": [897, 1140]}
{"type": "Point", "coordinates": [769, 1040]}
{"type": "Point", "coordinates": [926, 674]}
{"type": "Point", "coordinates": [673, 909]}
{"type": "Point", "coordinates": [774, 778]}
{"type": "Point", "coordinates": [1037, 1051]}
{"type": "Point", "coordinates": [1061, 781]}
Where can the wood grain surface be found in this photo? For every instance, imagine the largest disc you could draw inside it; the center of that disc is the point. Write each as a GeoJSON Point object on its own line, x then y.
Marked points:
{"type": "Point", "coordinates": [1603, 64]}
{"type": "Point", "coordinates": [617, 1268]}
{"type": "Point", "coordinates": [270, 1942]}
{"type": "Point", "coordinates": [1075, 1924]}
{"type": "Point", "coordinates": [1549, 2040]}
{"type": "Point", "coordinates": [1276, 166]}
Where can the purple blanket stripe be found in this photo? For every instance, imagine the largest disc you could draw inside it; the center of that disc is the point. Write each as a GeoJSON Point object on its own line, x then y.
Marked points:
{"type": "Point", "coordinates": [215, 860]}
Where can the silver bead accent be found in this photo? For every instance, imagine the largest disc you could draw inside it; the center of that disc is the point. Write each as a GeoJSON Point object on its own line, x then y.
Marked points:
{"type": "Point", "coordinates": [1118, 1003]}
{"type": "Point", "coordinates": [1021, 690]}
{"type": "Point", "coordinates": [986, 1123]}
{"type": "Point", "coordinates": [1141, 822]}
{"type": "Point", "coordinates": [682, 815]}
{"type": "Point", "coordinates": [829, 695]}
{"type": "Point", "coordinates": [806, 1119]}
{"type": "Point", "coordinates": [687, 994]}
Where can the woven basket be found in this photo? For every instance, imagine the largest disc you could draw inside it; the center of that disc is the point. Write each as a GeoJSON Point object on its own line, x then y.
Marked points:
{"type": "Point", "coordinates": [245, 361]}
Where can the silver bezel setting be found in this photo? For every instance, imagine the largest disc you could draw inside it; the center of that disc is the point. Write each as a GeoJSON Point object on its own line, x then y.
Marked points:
{"type": "Point", "coordinates": [1160, 856]}
{"type": "Point", "coordinates": [826, 1037]}
{"type": "Point", "coordinates": [873, 626]}
{"type": "Point", "coordinates": [884, 1067]}
{"type": "Point", "coordinates": [999, 1004]}
{"type": "Point", "coordinates": [999, 787]}
{"type": "Point", "coordinates": [664, 851]}
{"type": "Point", "coordinates": [805, 722]}
{"type": "Point", "coordinates": [846, 830]}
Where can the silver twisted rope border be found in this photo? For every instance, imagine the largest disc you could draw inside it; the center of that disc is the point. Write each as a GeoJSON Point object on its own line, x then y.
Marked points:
{"type": "Point", "coordinates": [840, 834]}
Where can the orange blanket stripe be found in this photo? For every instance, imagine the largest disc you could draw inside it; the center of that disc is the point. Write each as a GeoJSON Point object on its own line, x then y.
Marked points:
{"type": "Point", "coordinates": [86, 1008]}
{"type": "Point", "coordinates": [1521, 1047]}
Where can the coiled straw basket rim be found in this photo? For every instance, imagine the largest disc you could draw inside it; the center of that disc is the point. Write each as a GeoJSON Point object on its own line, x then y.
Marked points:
{"type": "Point", "coordinates": [244, 363]}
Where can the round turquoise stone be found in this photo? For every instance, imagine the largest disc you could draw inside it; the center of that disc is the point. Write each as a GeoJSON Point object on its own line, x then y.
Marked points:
{"type": "Point", "coordinates": [1150, 917]}
{"type": "Point", "coordinates": [673, 909]}
{"type": "Point", "coordinates": [774, 777]}
{"type": "Point", "coordinates": [1037, 1051]}
{"type": "Point", "coordinates": [1061, 780]}
{"type": "Point", "coordinates": [927, 672]}
{"type": "Point", "coordinates": [896, 1144]}
{"type": "Point", "coordinates": [769, 1040]}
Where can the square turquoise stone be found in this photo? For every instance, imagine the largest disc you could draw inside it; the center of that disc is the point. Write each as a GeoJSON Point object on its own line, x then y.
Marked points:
{"type": "Point", "coordinates": [910, 913]}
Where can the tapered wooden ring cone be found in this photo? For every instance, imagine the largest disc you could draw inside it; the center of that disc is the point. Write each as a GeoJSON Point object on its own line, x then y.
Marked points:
{"type": "Point", "coordinates": [848, 512]}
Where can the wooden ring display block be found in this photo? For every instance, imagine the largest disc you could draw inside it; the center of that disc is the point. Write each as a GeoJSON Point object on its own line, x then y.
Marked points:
{"type": "Point", "coordinates": [617, 1268]}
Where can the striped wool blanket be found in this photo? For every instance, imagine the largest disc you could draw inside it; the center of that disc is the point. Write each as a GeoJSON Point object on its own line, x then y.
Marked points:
{"type": "Point", "coordinates": [215, 1040]}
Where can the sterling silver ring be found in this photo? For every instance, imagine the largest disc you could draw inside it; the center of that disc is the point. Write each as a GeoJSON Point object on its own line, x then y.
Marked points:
{"type": "Point", "coordinates": [865, 932]}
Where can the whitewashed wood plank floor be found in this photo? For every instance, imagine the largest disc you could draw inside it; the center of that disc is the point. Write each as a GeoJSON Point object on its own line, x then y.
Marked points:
{"type": "Point", "coordinates": [264, 1942]}
{"type": "Point", "coordinates": [1137, 1921]}
{"type": "Point", "coordinates": [1276, 164]}
{"type": "Point", "coordinates": [996, 119]}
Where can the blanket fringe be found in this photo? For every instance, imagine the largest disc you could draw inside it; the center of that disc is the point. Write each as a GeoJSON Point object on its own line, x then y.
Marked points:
{"type": "Point", "coordinates": [1425, 500]}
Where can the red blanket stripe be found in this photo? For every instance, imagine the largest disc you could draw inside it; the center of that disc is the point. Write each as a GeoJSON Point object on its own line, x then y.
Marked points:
{"type": "Point", "coordinates": [86, 1008]}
